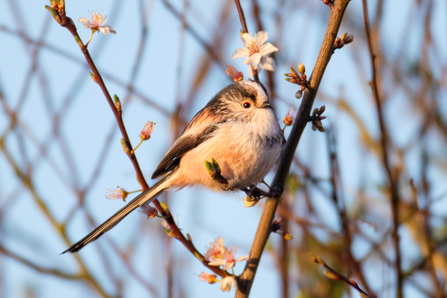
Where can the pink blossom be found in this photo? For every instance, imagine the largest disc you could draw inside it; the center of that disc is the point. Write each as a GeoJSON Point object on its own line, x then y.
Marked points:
{"type": "Point", "coordinates": [227, 282]}
{"type": "Point", "coordinates": [216, 250]}
{"type": "Point", "coordinates": [117, 194]}
{"type": "Point", "coordinates": [145, 134]}
{"type": "Point", "coordinates": [234, 74]}
{"type": "Point", "coordinates": [97, 22]}
{"type": "Point", "coordinates": [209, 278]}
{"type": "Point", "coordinates": [219, 255]}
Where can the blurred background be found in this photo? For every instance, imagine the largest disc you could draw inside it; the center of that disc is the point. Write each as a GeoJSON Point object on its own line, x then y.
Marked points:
{"type": "Point", "coordinates": [60, 149]}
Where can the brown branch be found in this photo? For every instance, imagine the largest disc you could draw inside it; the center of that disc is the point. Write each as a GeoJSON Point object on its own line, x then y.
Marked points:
{"type": "Point", "coordinates": [340, 206]}
{"type": "Point", "coordinates": [68, 23]}
{"type": "Point", "coordinates": [384, 142]}
{"type": "Point", "coordinates": [246, 279]}
{"type": "Point", "coordinates": [333, 274]}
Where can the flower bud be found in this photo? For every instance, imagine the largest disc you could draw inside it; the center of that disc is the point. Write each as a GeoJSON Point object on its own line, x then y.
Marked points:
{"type": "Point", "coordinates": [165, 207]}
{"type": "Point", "coordinates": [117, 102]}
{"type": "Point", "coordinates": [288, 237]}
{"type": "Point", "coordinates": [293, 71]}
{"type": "Point", "coordinates": [148, 128]}
{"type": "Point", "coordinates": [301, 68]}
{"type": "Point", "coordinates": [322, 109]}
{"type": "Point", "coordinates": [148, 210]}
{"type": "Point", "coordinates": [331, 275]}
{"type": "Point", "coordinates": [54, 4]}
{"type": "Point", "coordinates": [92, 75]}
{"type": "Point", "coordinates": [289, 118]}
{"type": "Point", "coordinates": [209, 278]}
{"type": "Point", "coordinates": [61, 4]}
{"type": "Point", "coordinates": [125, 147]}
{"type": "Point", "coordinates": [249, 201]}
{"type": "Point", "coordinates": [54, 14]}
{"type": "Point", "coordinates": [348, 39]}
{"type": "Point", "coordinates": [299, 93]}
{"type": "Point", "coordinates": [234, 74]}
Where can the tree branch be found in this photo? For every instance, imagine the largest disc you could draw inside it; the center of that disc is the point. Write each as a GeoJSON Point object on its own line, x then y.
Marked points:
{"type": "Point", "coordinates": [246, 279]}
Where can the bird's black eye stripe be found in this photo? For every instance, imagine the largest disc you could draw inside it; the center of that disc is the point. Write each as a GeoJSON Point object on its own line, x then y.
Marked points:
{"type": "Point", "coordinates": [253, 97]}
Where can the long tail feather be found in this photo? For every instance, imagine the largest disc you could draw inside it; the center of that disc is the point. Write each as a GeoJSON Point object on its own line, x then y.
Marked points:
{"type": "Point", "coordinates": [147, 196]}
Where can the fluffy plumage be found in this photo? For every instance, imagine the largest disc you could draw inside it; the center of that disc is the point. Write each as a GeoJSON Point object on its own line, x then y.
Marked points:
{"type": "Point", "coordinates": [238, 128]}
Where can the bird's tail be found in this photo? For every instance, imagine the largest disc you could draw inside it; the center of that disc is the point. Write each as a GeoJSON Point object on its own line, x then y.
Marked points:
{"type": "Point", "coordinates": [146, 196]}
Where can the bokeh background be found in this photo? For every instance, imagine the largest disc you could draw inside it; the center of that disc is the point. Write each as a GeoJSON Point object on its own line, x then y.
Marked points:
{"type": "Point", "coordinates": [60, 148]}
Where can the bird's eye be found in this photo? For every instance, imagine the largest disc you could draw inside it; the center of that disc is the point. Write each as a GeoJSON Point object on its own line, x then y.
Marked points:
{"type": "Point", "coordinates": [247, 104]}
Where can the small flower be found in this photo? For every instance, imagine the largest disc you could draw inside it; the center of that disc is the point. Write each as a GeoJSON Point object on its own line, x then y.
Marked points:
{"type": "Point", "coordinates": [97, 22]}
{"type": "Point", "coordinates": [148, 210]}
{"type": "Point", "coordinates": [209, 278]}
{"type": "Point", "coordinates": [289, 118]}
{"type": "Point", "coordinates": [227, 282]}
{"type": "Point", "coordinates": [168, 229]}
{"type": "Point", "coordinates": [228, 259]}
{"type": "Point", "coordinates": [145, 134]}
{"type": "Point", "coordinates": [234, 74]}
{"type": "Point", "coordinates": [256, 51]}
{"type": "Point", "coordinates": [117, 194]}
{"type": "Point", "coordinates": [216, 250]}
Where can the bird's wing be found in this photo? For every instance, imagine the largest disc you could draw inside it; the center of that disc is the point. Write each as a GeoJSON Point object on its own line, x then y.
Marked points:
{"type": "Point", "coordinates": [198, 131]}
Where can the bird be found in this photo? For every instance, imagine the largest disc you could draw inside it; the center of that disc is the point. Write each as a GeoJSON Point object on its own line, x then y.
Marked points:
{"type": "Point", "coordinates": [237, 128]}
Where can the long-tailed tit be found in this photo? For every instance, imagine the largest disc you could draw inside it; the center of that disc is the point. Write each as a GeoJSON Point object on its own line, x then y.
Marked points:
{"type": "Point", "coordinates": [238, 128]}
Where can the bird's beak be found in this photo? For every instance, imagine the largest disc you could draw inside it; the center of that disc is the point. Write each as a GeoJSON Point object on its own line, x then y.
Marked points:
{"type": "Point", "coordinates": [266, 105]}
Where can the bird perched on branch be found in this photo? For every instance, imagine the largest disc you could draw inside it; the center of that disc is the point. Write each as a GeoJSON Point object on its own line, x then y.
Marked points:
{"type": "Point", "coordinates": [237, 128]}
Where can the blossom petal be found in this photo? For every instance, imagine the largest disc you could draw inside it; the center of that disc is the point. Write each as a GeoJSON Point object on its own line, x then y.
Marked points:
{"type": "Point", "coordinates": [104, 30]}
{"type": "Point", "coordinates": [250, 71]}
{"type": "Point", "coordinates": [219, 242]}
{"type": "Point", "coordinates": [255, 59]}
{"type": "Point", "coordinates": [239, 53]}
{"type": "Point", "coordinates": [111, 30]}
{"type": "Point", "coordinates": [228, 265]}
{"type": "Point", "coordinates": [88, 25]}
{"type": "Point", "coordinates": [227, 282]}
{"type": "Point", "coordinates": [267, 49]}
{"type": "Point", "coordinates": [261, 37]}
{"type": "Point", "coordinates": [217, 262]}
{"type": "Point", "coordinates": [242, 258]}
{"type": "Point", "coordinates": [84, 20]}
{"type": "Point", "coordinates": [247, 39]}
{"type": "Point", "coordinates": [268, 63]}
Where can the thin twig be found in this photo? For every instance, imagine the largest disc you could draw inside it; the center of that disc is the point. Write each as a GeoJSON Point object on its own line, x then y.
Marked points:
{"type": "Point", "coordinates": [384, 148]}
{"type": "Point", "coordinates": [333, 274]}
